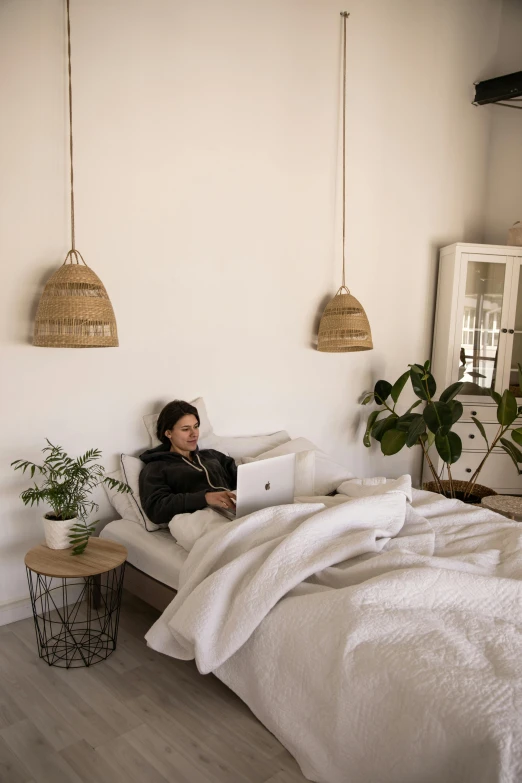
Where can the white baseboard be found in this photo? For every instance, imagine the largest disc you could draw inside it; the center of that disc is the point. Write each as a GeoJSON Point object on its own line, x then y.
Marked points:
{"type": "Point", "coordinates": [12, 611]}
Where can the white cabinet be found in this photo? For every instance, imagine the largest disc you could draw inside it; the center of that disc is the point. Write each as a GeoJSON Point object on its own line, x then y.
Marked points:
{"type": "Point", "coordinates": [478, 340]}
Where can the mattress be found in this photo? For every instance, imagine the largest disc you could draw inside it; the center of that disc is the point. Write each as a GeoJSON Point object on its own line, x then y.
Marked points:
{"type": "Point", "coordinates": [156, 554]}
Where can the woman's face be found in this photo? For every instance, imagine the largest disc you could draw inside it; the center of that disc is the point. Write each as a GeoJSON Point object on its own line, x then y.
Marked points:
{"type": "Point", "coordinates": [184, 434]}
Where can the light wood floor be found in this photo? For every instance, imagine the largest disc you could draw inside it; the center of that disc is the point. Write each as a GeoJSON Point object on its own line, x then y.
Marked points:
{"type": "Point", "coordinates": [138, 716]}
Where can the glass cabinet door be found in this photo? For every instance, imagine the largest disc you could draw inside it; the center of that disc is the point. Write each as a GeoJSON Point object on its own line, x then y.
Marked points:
{"type": "Point", "coordinates": [514, 333]}
{"type": "Point", "coordinates": [481, 325]}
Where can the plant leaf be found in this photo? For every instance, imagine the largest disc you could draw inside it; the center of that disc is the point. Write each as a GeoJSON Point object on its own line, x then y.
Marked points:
{"type": "Point", "coordinates": [392, 442]}
{"type": "Point", "coordinates": [517, 435]}
{"type": "Point", "coordinates": [424, 389]}
{"type": "Point", "coordinates": [382, 391]}
{"type": "Point", "coordinates": [438, 415]}
{"type": "Point", "coordinates": [399, 385]}
{"type": "Point", "coordinates": [367, 398]}
{"type": "Point", "coordinates": [415, 405]}
{"type": "Point", "coordinates": [481, 430]}
{"type": "Point", "coordinates": [512, 448]}
{"type": "Point", "coordinates": [457, 409]}
{"type": "Point", "coordinates": [449, 447]}
{"type": "Point", "coordinates": [383, 425]}
{"type": "Point", "coordinates": [451, 392]}
{"type": "Point", "coordinates": [371, 421]}
{"type": "Point", "coordinates": [418, 369]}
{"type": "Point", "coordinates": [495, 395]}
{"type": "Point", "coordinates": [513, 452]}
{"type": "Point", "coordinates": [121, 486]}
{"type": "Point", "coordinates": [404, 421]}
{"type": "Point", "coordinates": [512, 457]}
{"type": "Point", "coordinates": [507, 410]}
{"type": "Point", "coordinates": [417, 428]}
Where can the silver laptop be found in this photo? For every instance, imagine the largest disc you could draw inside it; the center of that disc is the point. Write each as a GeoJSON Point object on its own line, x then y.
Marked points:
{"type": "Point", "coordinates": [266, 482]}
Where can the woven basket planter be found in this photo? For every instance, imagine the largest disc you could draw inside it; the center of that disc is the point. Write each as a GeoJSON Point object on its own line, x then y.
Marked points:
{"type": "Point", "coordinates": [75, 311]}
{"type": "Point", "coordinates": [344, 325]}
{"type": "Point", "coordinates": [479, 490]}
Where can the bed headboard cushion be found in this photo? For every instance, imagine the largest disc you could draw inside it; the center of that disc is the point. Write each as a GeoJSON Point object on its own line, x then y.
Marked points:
{"type": "Point", "coordinates": [329, 473]}
{"type": "Point", "coordinates": [242, 446]}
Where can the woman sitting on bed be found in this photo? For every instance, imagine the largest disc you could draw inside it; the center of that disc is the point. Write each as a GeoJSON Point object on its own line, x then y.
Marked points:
{"type": "Point", "coordinates": [178, 477]}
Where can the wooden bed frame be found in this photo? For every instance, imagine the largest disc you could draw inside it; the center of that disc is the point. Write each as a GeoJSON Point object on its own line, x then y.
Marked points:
{"type": "Point", "coordinates": [147, 588]}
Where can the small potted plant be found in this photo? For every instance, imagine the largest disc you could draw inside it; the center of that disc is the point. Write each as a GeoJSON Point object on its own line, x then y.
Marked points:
{"type": "Point", "coordinates": [67, 486]}
{"type": "Point", "coordinates": [433, 427]}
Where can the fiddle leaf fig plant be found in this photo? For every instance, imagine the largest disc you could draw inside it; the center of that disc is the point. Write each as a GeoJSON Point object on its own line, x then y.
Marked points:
{"type": "Point", "coordinates": [67, 486]}
{"type": "Point", "coordinates": [433, 426]}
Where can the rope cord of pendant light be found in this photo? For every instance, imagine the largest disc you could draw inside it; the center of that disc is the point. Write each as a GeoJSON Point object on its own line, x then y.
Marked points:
{"type": "Point", "coordinates": [345, 16]}
{"type": "Point", "coordinates": [73, 254]}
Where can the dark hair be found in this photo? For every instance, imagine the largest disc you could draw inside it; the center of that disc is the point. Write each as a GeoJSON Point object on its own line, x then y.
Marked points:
{"type": "Point", "coordinates": [171, 413]}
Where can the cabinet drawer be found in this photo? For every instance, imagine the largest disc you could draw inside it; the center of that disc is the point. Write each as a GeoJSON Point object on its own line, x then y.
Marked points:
{"type": "Point", "coordinates": [498, 473]}
{"type": "Point", "coordinates": [472, 440]}
{"type": "Point", "coordinates": [482, 412]}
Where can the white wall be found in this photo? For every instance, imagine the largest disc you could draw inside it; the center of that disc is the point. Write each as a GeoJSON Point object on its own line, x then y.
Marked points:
{"type": "Point", "coordinates": [504, 179]}
{"type": "Point", "coordinates": [206, 170]}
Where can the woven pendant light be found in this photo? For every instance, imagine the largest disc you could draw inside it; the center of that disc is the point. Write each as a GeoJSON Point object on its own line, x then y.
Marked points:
{"type": "Point", "coordinates": [344, 325]}
{"type": "Point", "coordinates": [74, 310]}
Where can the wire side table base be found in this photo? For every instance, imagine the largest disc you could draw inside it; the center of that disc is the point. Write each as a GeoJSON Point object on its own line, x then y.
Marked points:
{"type": "Point", "coordinates": [76, 618]}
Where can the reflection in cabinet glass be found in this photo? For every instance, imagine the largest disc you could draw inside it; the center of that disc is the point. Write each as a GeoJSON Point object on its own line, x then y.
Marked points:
{"type": "Point", "coordinates": [481, 326]}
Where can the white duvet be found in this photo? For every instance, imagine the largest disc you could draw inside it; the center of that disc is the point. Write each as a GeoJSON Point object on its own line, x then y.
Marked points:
{"type": "Point", "coordinates": [380, 641]}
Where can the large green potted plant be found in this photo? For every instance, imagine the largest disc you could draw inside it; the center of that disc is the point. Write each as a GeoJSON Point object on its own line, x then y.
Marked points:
{"type": "Point", "coordinates": [433, 428]}
{"type": "Point", "coordinates": [67, 486]}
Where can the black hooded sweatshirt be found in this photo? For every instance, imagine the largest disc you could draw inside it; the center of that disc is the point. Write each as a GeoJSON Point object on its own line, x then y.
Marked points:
{"type": "Point", "coordinates": [171, 484]}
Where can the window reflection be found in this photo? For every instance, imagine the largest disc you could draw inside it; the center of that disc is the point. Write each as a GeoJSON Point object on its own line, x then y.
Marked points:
{"type": "Point", "coordinates": [481, 326]}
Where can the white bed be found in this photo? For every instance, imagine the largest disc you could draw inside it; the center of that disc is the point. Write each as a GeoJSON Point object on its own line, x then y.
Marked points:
{"type": "Point", "coordinates": [378, 641]}
{"type": "Point", "coordinates": [401, 668]}
{"type": "Point", "coordinates": [155, 554]}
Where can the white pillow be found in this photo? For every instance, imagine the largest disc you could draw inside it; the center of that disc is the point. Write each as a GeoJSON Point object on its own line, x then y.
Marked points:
{"type": "Point", "coordinates": [304, 471]}
{"type": "Point", "coordinates": [131, 468]}
{"type": "Point", "coordinates": [121, 501]}
{"type": "Point", "coordinates": [206, 433]}
{"type": "Point", "coordinates": [377, 485]}
{"type": "Point", "coordinates": [244, 446]}
{"type": "Point", "coordinates": [329, 474]}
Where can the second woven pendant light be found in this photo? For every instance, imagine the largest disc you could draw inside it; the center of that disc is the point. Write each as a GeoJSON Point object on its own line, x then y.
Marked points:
{"type": "Point", "coordinates": [344, 325]}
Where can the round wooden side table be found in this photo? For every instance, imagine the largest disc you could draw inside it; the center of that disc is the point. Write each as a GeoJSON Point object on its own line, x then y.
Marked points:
{"type": "Point", "coordinates": [508, 505]}
{"type": "Point", "coordinates": [76, 601]}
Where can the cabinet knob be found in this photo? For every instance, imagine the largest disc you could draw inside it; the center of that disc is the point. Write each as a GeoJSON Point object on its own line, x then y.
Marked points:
{"type": "Point", "coordinates": [511, 331]}
{"type": "Point", "coordinates": [504, 331]}
{"type": "Point", "coordinates": [471, 436]}
{"type": "Point", "coordinates": [468, 470]}
{"type": "Point", "coordinates": [473, 413]}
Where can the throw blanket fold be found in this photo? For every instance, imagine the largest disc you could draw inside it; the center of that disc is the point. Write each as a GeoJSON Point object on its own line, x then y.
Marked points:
{"type": "Point", "coordinates": [376, 642]}
{"type": "Point", "coordinates": [237, 572]}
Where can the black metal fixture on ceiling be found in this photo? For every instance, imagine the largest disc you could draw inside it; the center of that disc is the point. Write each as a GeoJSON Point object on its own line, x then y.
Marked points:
{"type": "Point", "coordinates": [502, 91]}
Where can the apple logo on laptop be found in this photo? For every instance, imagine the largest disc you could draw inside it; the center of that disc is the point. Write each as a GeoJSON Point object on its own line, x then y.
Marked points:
{"type": "Point", "coordinates": [267, 485]}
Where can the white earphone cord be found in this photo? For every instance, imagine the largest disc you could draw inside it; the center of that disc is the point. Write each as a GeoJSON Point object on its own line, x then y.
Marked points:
{"type": "Point", "coordinates": [224, 489]}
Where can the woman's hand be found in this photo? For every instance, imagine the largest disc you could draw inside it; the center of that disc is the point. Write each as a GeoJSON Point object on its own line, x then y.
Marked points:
{"type": "Point", "coordinates": [221, 499]}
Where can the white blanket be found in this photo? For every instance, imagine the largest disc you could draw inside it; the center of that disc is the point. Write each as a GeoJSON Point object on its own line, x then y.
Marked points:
{"type": "Point", "coordinates": [380, 642]}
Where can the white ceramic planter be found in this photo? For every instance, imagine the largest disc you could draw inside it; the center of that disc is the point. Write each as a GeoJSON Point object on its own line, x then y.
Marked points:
{"type": "Point", "coordinates": [57, 532]}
